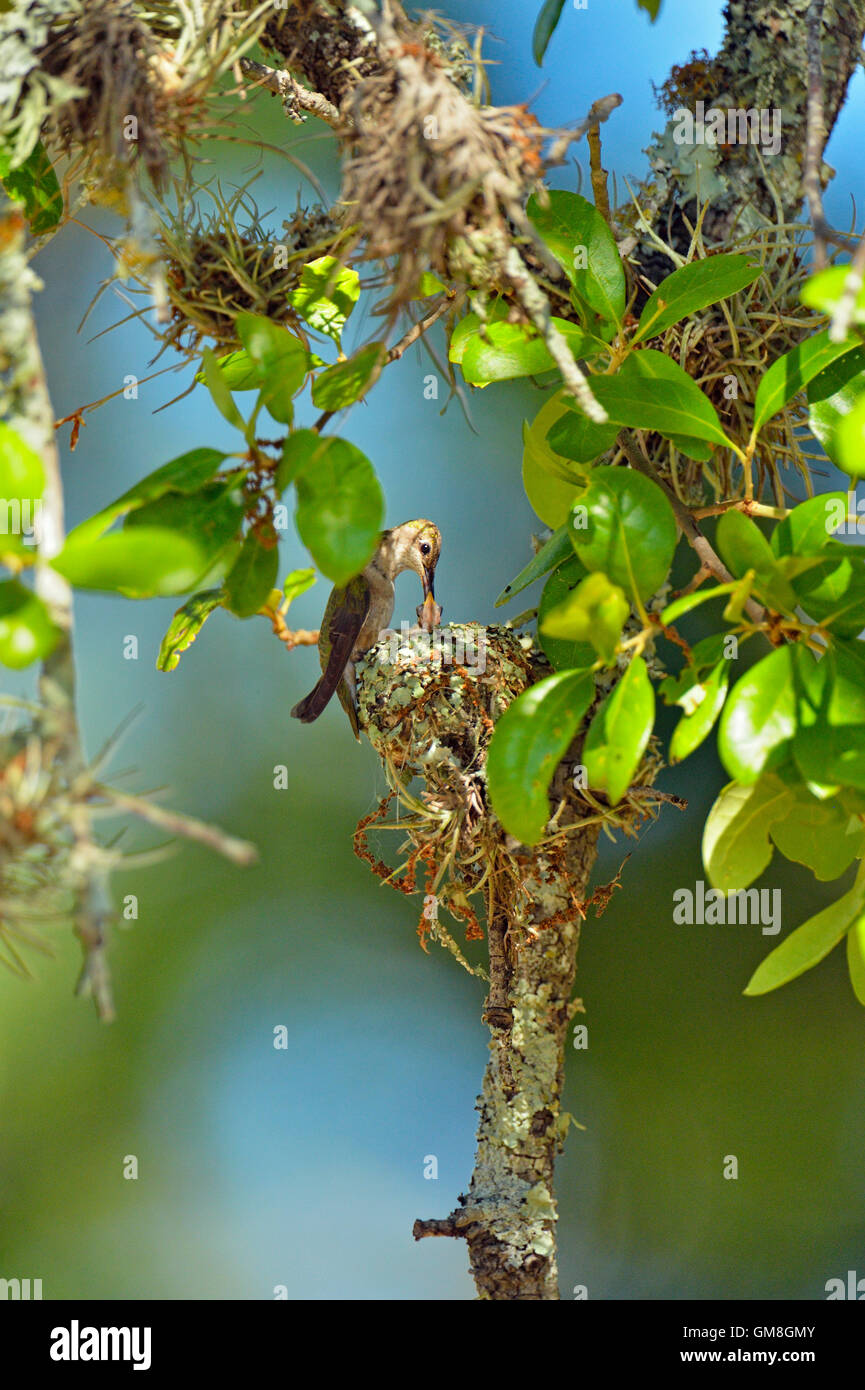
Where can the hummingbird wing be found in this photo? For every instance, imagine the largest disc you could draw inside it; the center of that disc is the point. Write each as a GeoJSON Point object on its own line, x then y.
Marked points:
{"type": "Point", "coordinates": [341, 625]}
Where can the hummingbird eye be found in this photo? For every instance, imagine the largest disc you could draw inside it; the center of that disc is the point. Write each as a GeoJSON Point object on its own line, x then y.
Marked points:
{"type": "Point", "coordinates": [425, 548]}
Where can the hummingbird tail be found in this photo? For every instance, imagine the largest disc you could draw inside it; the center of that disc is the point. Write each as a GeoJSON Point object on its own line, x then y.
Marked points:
{"type": "Point", "coordinates": [312, 705]}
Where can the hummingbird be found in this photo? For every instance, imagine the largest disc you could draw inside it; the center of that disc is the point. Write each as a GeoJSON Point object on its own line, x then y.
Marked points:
{"type": "Point", "coordinates": [358, 612]}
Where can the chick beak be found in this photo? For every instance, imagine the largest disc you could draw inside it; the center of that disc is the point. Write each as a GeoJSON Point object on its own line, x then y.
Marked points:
{"type": "Point", "coordinates": [429, 614]}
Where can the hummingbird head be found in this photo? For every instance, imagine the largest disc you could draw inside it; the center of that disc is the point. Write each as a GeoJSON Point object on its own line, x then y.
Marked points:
{"type": "Point", "coordinates": [417, 546]}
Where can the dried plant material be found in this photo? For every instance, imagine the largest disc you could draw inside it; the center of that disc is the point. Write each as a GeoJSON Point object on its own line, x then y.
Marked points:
{"type": "Point", "coordinates": [228, 262]}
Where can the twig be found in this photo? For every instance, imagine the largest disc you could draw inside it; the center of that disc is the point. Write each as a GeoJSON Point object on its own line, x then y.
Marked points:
{"type": "Point", "coordinates": [710, 561]}
{"type": "Point", "coordinates": [175, 823]}
{"type": "Point", "coordinates": [296, 98]}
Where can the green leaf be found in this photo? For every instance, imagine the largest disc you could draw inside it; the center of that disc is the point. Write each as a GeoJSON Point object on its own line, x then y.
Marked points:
{"type": "Point", "coordinates": [187, 474]}
{"type": "Point", "coordinates": [499, 351]}
{"type": "Point", "coordinates": [237, 370]}
{"type": "Point", "coordinates": [326, 295]}
{"type": "Point", "coordinates": [536, 441]}
{"type": "Point", "coordinates": [251, 577]}
{"type": "Point", "coordinates": [562, 655]}
{"type": "Point", "coordinates": [671, 408]}
{"type": "Point", "coordinates": [824, 290]}
{"type": "Point", "coordinates": [210, 518]}
{"type": "Point", "coordinates": [736, 847]}
{"type": "Point", "coordinates": [810, 943]}
{"type": "Point", "coordinates": [34, 184]}
{"type": "Point", "coordinates": [819, 834]}
{"type": "Point", "coordinates": [702, 704]}
{"type": "Point", "coordinates": [530, 740]}
{"type": "Point", "coordinates": [340, 507]}
{"type": "Point", "coordinates": [348, 381]}
{"type": "Point", "coordinates": [744, 547]}
{"type": "Point", "coordinates": [594, 612]}
{"type": "Point", "coordinates": [550, 492]}
{"type": "Point", "coordinates": [649, 362]}
{"type": "Point", "coordinates": [807, 529]}
{"type": "Point", "coordinates": [21, 473]}
{"type": "Point", "coordinates": [297, 583]}
{"type": "Point", "coordinates": [759, 718]}
{"type": "Point", "coordinates": [856, 957]}
{"type": "Point", "coordinates": [185, 627]}
{"type": "Point", "coordinates": [27, 633]}
{"type": "Point", "coordinates": [680, 606]}
{"type": "Point", "coordinates": [281, 360]}
{"type": "Point", "coordinates": [220, 394]}
{"type": "Point", "coordinates": [849, 439]}
{"type": "Point", "coordinates": [791, 373]}
{"type": "Point", "coordinates": [652, 8]}
{"type": "Point", "coordinates": [550, 555]}
{"type": "Point", "coordinates": [544, 27]}
{"type": "Point", "coordinates": [427, 285]}
{"type": "Point", "coordinates": [619, 732]}
{"type": "Point", "coordinates": [572, 229]}
{"type": "Point", "coordinates": [578, 438]}
{"type": "Point", "coordinates": [692, 287]}
{"type": "Point", "coordinates": [22, 481]}
{"type": "Point", "coordinates": [838, 602]}
{"type": "Point", "coordinates": [630, 532]}
{"type": "Point", "coordinates": [140, 563]}
{"type": "Point", "coordinates": [829, 747]}
{"type": "Point", "coordinates": [832, 394]}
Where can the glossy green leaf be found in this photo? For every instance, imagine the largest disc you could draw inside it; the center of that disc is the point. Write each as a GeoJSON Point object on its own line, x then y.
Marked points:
{"type": "Point", "coordinates": [736, 846]}
{"type": "Point", "coordinates": [619, 732]}
{"type": "Point", "coordinates": [550, 555]}
{"type": "Point", "coordinates": [210, 518]}
{"type": "Point", "coordinates": [562, 654]}
{"type": "Point", "coordinates": [808, 527]}
{"type": "Point", "coordinates": [340, 507]}
{"type": "Point", "coordinates": [856, 957]}
{"type": "Point", "coordinates": [140, 563]}
{"type": "Point", "coordinates": [550, 493]}
{"type": "Point", "coordinates": [237, 370]}
{"type": "Point", "coordinates": [251, 577]}
{"type": "Point", "coordinates": [185, 627]}
{"type": "Point", "coordinates": [187, 473]}
{"type": "Point", "coordinates": [594, 612]}
{"type": "Point", "coordinates": [818, 834]}
{"type": "Point", "coordinates": [702, 705]}
{"type": "Point", "coordinates": [537, 446]}
{"type": "Point", "coordinates": [692, 287]}
{"type": "Point", "coordinates": [829, 747]}
{"type": "Point", "coordinates": [630, 532]}
{"type": "Point", "coordinates": [832, 395]}
{"type": "Point", "coordinates": [297, 583]}
{"type": "Point", "coordinates": [346, 382]}
{"type": "Point", "coordinates": [281, 360]}
{"type": "Point", "coordinates": [680, 606]}
{"type": "Point", "coordinates": [573, 230]}
{"type": "Point", "coordinates": [545, 24]}
{"type": "Point", "coordinates": [671, 408]}
{"type": "Point", "coordinates": [849, 439]}
{"type": "Point", "coordinates": [326, 295]}
{"type": "Point", "coordinates": [809, 944]}
{"type": "Point", "coordinates": [791, 373]}
{"type": "Point", "coordinates": [838, 601]}
{"type": "Point", "coordinates": [743, 547]}
{"type": "Point", "coordinates": [823, 292]}
{"type": "Point", "coordinates": [759, 718]}
{"type": "Point", "coordinates": [530, 740]}
{"type": "Point", "coordinates": [27, 633]}
{"type": "Point", "coordinates": [219, 391]}
{"type": "Point", "coordinates": [34, 184]}
{"type": "Point", "coordinates": [499, 351]}
{"type": "Point", "coordinates": [573, 436]}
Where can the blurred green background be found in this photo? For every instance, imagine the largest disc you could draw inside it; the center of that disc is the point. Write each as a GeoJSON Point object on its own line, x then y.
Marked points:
{"type": "Point", "coordinates": [304, 1167]}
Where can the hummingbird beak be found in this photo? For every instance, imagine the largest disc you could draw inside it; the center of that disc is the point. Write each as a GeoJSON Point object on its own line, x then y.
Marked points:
{"type": "Point", "coordinates": [428, 580]}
